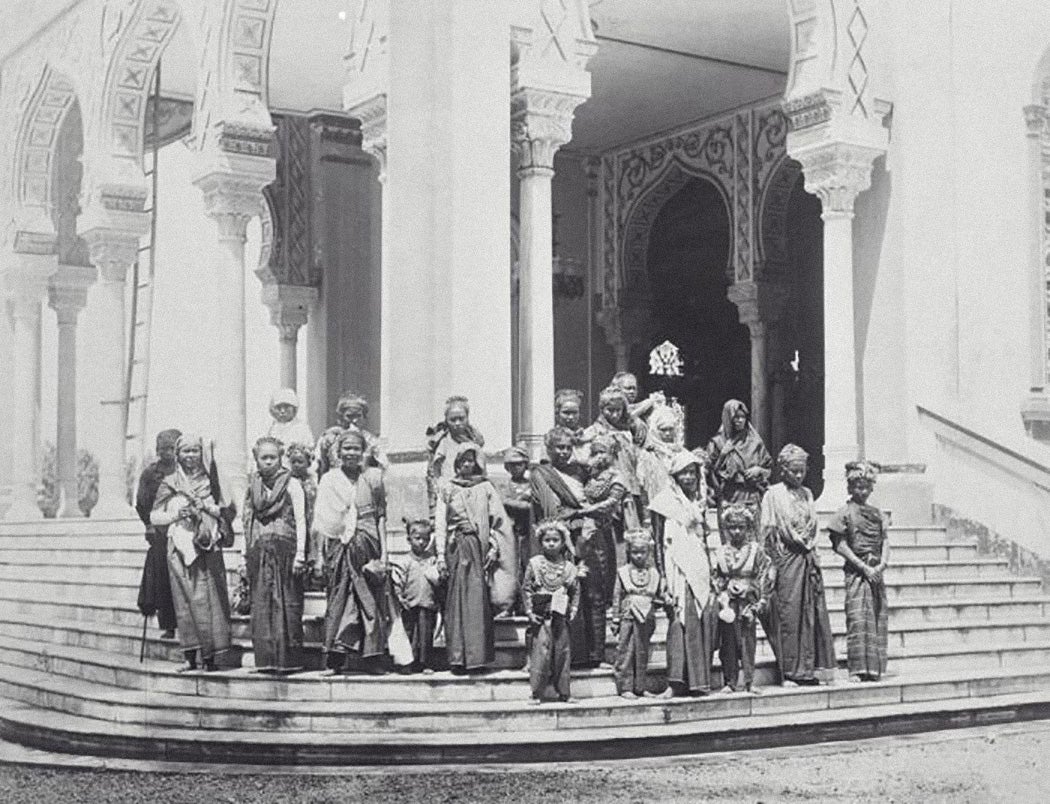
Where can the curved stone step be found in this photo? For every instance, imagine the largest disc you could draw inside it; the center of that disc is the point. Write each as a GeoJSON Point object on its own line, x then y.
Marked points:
{"type": "Point", "coordinates": [59, 731]}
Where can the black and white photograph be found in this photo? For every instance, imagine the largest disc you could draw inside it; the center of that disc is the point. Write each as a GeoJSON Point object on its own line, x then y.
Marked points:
{"type": "Point", "coordinates": [524, 401]}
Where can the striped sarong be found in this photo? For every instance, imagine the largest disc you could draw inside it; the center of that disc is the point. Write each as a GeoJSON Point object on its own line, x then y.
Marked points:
{"type": "Point", "coordinates": [867, 624]}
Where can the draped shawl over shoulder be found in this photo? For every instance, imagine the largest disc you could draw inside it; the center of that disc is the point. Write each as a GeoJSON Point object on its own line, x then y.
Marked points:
{"type": "Point", "coordinates": [686, 561]}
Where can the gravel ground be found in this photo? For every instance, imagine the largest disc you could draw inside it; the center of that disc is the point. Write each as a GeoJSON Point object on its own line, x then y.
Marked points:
{"type": "Point", "coordinates": [1009, 763]}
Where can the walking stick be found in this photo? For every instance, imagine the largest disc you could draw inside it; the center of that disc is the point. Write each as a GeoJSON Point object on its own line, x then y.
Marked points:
{"type": "Point", "coordinates": [142, 648]}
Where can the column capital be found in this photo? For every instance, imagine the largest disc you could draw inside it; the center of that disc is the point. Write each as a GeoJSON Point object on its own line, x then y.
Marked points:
{"type": "Point", "coordinates": [67, 291]}
{"type": "Point", "coordinates": [758, 303]}
{"type": "Point", "coordinates": [541, 122]}
{"type": "Point", "coordinates": [289, 305]}
{"type": "Point", "coordinates": [233, 191]}
{"type": "Point", "coordinates": [837, 172]}
{"type": "Point", "coordinates": [1035, 119]}
{"type": "Point", "coordinates": [372, 111]}
{"type": "Point", "coordinates": [114, 251]}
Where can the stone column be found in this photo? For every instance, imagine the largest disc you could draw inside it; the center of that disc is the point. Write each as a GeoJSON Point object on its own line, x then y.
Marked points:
{"type": "Point", "coordinates": [837, 172]}
{"type": "Point", "coordinates": [113, 252]}
{"type": "Point", "coordinates": [1035, 411]}
{"type": "Point", "coordinates": [67, 296]}
{"type": "Point", "coordinates": [26, 279]}
{"type": "Point", "coordinates": [289, 310]}
{"type": "Point", "coordinates": [541, 123]}
{"type": "Point", "coordinates": [232, 198]}
{"type": "Point", "coordinates": [759, 305]}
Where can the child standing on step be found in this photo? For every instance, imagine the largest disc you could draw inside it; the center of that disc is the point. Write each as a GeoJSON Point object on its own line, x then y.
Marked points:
{"type": "Point", "coordinates": [551, 599]}
{"type": "Point", "coordinates": [638, 591]}
{"type": "Point", "coordinates": [743, 583]}
{"type": "Point", "coordinates": [417, 579]}
{"type": "Point", "coordinates": [858, 534]}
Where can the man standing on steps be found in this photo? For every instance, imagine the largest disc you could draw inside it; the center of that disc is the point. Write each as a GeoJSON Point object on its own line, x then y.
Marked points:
{"type": "Point", "coordinates": [155, 588]}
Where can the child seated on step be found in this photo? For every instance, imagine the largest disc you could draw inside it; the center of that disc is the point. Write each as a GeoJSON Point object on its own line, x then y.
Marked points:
{"type": "Point", "coordinates": [639, 590]}
{"type": "Point", "coordinates": [551, 598]}
{"type": "Point", "coordinates": [743, 582]}
{"type": "Point", "coordinates": [417, 581]}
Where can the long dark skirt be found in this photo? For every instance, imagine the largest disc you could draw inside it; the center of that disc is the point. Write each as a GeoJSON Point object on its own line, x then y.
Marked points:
{"type": "Point", "coordinates": [867, 625]}
{"type": "Point", "coordinates": [470, 637]}
{"type": "Point", "coordinates": [357, 617]}
{"type": "Point", "coordinates": [736, 649]}
{"type": "Point", "coordinates": [691, 646]}
{"type": "Point", "coordinates": [277, 603]}
{"type": "Point", "coordinates": [419, 626]}
{"type": "Point", "coordinates": [202, 602]}
{"type": "Point", "coordinates": [550, 657]}
{"type": "Point", "coordinates": [155, 587]}
{"type": "Point", "coordinates": [632, 655]}
{"type": "Point", "coordinates": [596, 551]}
{"type": "Point", "coordinates": [805, 645]}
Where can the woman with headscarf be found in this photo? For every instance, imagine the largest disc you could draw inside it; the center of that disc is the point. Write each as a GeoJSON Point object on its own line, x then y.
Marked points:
{"type": "Point", "coordinates": [191, 504]}
{"type": "Point", "coordinates": [155, 587]}
{"type": "Point", "coordinates": [352, 413]}
{"type": "Point", "coordinates": [739, 463]}
{"type": "Point", "coordinates": [615, 420]}
{"type": "Point", "coordinates": [568, 405]}
{"type": "Point", "coordinates": [443, 440]}
{"type": "Point", "coordinates": [663, 443]}
{"type": "Point", "coordinates": [287, 427]}
{"type": "Point", "coordinates": [275, 558]}
{"type": "Point", "coordinates": [801, 631]}
{"type": "Point", "coordinates": [680, 528]}
{"type": "Point", "coordinates": [350, 516]}
{"type": "Point", "coordinates": [473, 537]}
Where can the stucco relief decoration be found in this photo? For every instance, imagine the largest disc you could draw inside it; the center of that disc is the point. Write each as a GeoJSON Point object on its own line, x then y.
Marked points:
{"type": "Point", "coordinates": [857, 74]}
{"type": "Point", "coordinates": [742, 155]}
{"type": "Point", "coordinates": [44, 116]}
{"type": "Point", "coordinates": [131, 71]}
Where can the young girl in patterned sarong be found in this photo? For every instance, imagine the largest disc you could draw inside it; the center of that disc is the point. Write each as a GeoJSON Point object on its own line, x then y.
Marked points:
{"type": "Point", "coordinates": [300, 460]}
{"type": "Point", "coordinates": [551, 600]}
{"type": "Point", "coordinates": [858, 534]}
{"type": "Point", "coordinates": [639, 590]}
{"type": "Point", "coordinates": [742, 581]}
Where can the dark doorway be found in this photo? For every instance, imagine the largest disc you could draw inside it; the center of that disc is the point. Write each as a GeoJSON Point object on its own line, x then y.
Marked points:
{"type": "Point", "coordinates": [689, 250]}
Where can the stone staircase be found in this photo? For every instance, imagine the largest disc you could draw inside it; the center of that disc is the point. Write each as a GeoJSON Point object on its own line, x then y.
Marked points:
{"type": "Point", "coordinates": [969, 642]}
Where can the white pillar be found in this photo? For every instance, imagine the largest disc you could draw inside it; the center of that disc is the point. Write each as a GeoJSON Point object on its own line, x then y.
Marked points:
{"type": "Point", "coordinates": [67, 296]}
{"type": "Point", "coordinates": [541, 123]}
{"type": "Point", "coordinates": [113, 252]}
{"type": "Point", "coordinates": [289, 310]}
{"type": "Point", "coordinates": [1035, 410]}
{"type": "Point", "coordinates": [759, 305]}
{"type": "Point", "coordinates": [26, 280]}
{"type": "Point", "coordinates": [837, 172]}
{"type": "Point", "coordinates": [232, 197]}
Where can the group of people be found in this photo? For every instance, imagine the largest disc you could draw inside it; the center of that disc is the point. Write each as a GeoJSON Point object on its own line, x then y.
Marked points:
{"type": "Point", "coordinates": [617, 522]}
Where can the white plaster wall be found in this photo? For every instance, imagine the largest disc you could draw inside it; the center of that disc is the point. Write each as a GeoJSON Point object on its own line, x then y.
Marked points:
{"type": "Point", "coordinates": [946, 278]}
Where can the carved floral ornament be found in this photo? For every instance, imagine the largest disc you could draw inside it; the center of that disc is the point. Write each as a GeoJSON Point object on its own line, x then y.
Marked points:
{"type": "Point", "coordinates": [743, 155]}
{"type": "Point", "coordinates": [541, 122]}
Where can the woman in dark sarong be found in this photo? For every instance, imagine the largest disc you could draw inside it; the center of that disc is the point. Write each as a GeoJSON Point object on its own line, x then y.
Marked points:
{"type": "Point", "coordinates": [191, 504]}
{"type": "Point", "coordinates": [802, 638]}
{"type": "Point", "coordinates": [155, 588]}
{"type": "Point", "coordinates": [556, 484]}
{"type": "Point", "coordinates": [680, 527]}
{"type": "Point", "coordinates": [551, 598]}
{"type": "Point", "coordinates": [275, 556]}
{"type": "Point", "coordinates": [472, 529]}
{"type": "Point", "coordinates": [738, 461]}
{"type": "Point", "coordinates": [350, 515]}
{"type": "Point", "coordinates": [602, 517]}
{"type": "Point", "coordinates": [858, 534]}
